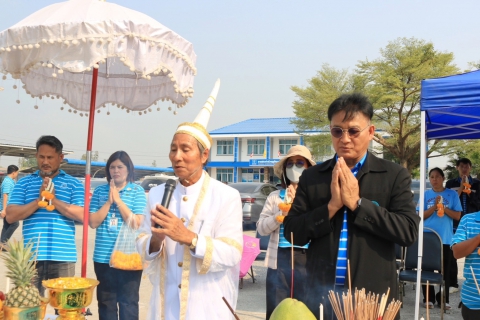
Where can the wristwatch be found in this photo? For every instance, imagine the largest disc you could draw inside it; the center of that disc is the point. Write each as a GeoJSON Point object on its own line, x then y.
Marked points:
{"type": "Point", "coordinates": [194, 242]}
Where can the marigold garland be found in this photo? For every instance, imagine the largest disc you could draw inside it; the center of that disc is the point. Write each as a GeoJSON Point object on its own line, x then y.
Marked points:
{"type": "Point", "coordinates": [284, 207]}
{"type": "Point", "coordinates": [47, 197]}
{"type": "Point", "coordinates": [467, 189]}
{"type": "Point", "coordinates": [440, 209]}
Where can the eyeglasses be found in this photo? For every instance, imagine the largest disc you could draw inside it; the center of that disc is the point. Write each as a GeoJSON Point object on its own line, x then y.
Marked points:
{"type": "Point", "coordinates": [298, 164]}
{"type": "Point", "coordinates": [337, 132]}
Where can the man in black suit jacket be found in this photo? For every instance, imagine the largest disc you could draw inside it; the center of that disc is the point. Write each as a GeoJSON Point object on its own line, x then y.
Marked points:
{"type": "Point", "coordinates": [470, 203]}
{"type": "Point", "coordinates": [373, 194]}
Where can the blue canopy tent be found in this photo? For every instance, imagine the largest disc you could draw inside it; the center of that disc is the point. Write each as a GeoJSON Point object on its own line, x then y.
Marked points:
{"type": "Point", "coordinates": [452, 106]}
{"type": "Point", "coordinates": [450, 109]}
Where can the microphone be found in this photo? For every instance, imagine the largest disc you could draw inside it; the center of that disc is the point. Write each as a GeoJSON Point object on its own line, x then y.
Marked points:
{"type": "Point", "coordinates": [167, 195]}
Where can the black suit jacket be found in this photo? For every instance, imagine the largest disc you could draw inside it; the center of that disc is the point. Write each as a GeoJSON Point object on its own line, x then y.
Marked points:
{"type": "Point", "coordinates": [386, 216]}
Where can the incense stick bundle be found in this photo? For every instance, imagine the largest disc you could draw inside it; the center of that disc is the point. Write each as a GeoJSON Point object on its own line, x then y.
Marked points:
{"type": "Point", "coordinates": [363, 306]}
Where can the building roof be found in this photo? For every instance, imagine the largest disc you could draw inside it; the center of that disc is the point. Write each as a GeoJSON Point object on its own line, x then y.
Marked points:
{"type": "Point", "coordinates": [21, 151]}
{"type": "Point", "coordinates": [270, 126]}
{"type": "Point", "coordinates": [260, 126]}
{"type": "Point", "coordinates": [76, 168]}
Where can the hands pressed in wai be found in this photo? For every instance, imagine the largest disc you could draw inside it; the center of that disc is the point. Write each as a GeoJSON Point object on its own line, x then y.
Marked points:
{"type": "Point", "coordinates": [114, 195]}
{"type": "Point", "coordinates": [344, 188]}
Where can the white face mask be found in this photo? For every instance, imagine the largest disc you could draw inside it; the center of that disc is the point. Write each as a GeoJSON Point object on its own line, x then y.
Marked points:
{"type": "Point", "coordinates": [294, 173]}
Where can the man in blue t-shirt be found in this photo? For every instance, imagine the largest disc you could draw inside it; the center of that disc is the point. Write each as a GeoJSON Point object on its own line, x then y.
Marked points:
{"type": "Point", "coordinates": [52, 232]}
{"type": "Point", "coordinates": [7, 186]}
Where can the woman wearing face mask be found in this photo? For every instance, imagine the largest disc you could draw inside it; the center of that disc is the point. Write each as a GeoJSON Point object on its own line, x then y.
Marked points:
{"type": "Point", "coordinates": [278, 258]}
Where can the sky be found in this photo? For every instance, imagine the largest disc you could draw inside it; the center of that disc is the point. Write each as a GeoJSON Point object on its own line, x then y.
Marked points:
{"type": "Point", "coordinates": [259, 49]}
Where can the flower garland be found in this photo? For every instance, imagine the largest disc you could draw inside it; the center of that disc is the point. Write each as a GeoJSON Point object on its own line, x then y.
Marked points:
{"type": "Point", "coordinates": [47, 194]}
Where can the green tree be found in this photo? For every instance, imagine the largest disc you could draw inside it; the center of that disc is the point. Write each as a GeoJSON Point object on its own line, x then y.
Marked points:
{"type": "Point", "coordinates": [393, 85]}
{"type": "Point", "coordinates": [465, 149]}
{"type": "Point", "coordinates": [392, 82]}
{"type": "Point", "coordinates": [312, 102]}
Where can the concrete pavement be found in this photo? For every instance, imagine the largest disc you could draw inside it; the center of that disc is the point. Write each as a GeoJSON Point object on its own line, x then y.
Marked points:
{"type": "Point", "coordinates": [251, 300]}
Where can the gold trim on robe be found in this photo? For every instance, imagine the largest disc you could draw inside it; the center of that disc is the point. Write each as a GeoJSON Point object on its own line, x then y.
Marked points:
{"type": "Point", "coordinates": [207, 258]}
{"type": "Point", "coordinates": [232, 243]}
{"type": "Point", "coordinates": [186, 253]}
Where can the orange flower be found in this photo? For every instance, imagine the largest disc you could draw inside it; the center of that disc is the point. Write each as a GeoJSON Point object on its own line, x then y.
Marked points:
{"type": "Point", "coordinates": [467, 189]}
{"type": "Point", "coordinates": [440, 209]}
{"type": "Point", "coordinates": [285, 207]}
{"type": "Point", "coordinates": [42, 204]}
{"type": "Point", "coordinates": [280, 218]}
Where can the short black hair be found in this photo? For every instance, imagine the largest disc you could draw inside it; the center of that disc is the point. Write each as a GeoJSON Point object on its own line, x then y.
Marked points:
{"type": "Point", "coordinates": [125, 159]}
{"type": "Point", "coordinates": [11, 169]}
{"type": "Point", "coordinates": [352, 104]}
{"type": "Point", "coordinates": [440, 171]}
{"type": "Point", "coordinates": [464, 161]}
{"type": "Point", "coordinates": [51, 141]}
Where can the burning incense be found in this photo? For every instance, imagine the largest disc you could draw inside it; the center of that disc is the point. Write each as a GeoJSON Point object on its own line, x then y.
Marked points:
{"type": "Point", "coordinates": [365, 307]}
{"type": "Point", "coordinates": [475, 279]}
{"type": "Point", "coordinates": [230, 308]}
{"type": "Point", "coordinates": [293, 271]}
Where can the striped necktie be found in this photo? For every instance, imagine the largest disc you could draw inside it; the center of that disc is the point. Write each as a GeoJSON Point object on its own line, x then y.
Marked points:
{"type": "Point", "coordinates": [342, 256]}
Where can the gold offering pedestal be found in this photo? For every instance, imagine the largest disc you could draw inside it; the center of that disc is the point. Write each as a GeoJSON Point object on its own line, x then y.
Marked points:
{"type": "Point", "coordinates": [33, 313]}
{"type": "Point", "coordinates": [70, 298]}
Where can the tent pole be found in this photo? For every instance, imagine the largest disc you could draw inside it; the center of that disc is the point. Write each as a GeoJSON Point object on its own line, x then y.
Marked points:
{"type": "Point", "coordinates": [421, 201]}
{"type": "Point", "coordinates": [86, 208]}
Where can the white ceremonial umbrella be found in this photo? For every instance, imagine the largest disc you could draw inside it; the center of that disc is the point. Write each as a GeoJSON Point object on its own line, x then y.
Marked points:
{"type": "Point", "coordinates": [91, 53]}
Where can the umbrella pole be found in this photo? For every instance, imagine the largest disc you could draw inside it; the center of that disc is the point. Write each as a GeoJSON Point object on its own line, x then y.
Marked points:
{"type": "Point", "coordinates": [86, 207]}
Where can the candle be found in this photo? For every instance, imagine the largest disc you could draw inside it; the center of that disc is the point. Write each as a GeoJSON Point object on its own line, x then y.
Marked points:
{"type": "Point", "coordinates": [321, 311]}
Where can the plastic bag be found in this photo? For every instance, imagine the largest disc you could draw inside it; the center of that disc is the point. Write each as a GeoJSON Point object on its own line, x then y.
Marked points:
{"type": "Point", "coordinates": [125, 255]}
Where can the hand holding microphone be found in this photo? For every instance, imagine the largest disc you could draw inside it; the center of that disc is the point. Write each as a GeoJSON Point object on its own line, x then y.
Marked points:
{"type": "Point", "coordinates": [167, 196]}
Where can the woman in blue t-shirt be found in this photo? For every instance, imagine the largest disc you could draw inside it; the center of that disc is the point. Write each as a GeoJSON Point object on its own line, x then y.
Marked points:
{"type": "Point", "coordinates": [112, 205]}
{"type": "Point", "coordinates": [443, 225]}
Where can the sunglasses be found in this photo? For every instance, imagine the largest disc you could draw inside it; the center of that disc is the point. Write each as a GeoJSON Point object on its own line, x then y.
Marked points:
{"type": "Point", "coordinates": [337, 132]}
{"type": "Point", "coordinates": [298, 164]}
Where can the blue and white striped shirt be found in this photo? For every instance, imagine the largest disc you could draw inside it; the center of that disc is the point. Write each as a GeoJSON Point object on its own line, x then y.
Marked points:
{"type": "Point", "coordinates": [7, 187]}
{"type": "Point", "coordinates": [54, 232]}
{"type": "Point", "coordinates": [342, 256]}
{"type": "Point", "coordinates": [468, 228]}
{"type": "Point", "coordinates": [282, 241]}
{"type": "Point", "coordinates": [134, 197]}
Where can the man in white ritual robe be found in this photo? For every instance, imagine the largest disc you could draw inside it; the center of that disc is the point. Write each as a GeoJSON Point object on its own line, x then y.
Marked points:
{"type": "Point", "coordinates": [194, 258]}
{"type": "Point", "coordinates": [214, 268]}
